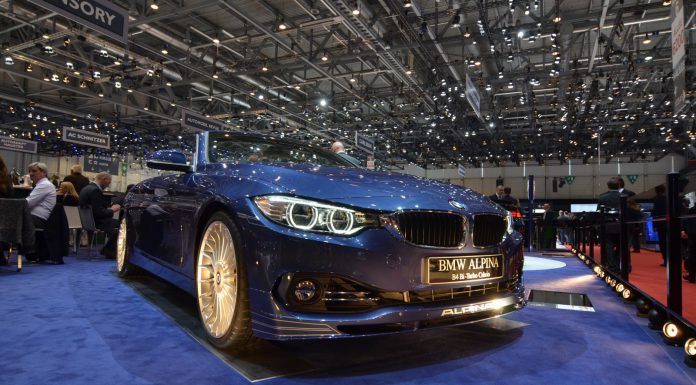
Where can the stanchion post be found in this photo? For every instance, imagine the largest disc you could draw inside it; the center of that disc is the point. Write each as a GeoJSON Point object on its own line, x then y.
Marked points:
{"type": "Point", "coordinates": [624, 256]}
{"type": "Point", "coordinates": [530, 211]}
{"type": "Point", "coordinates": [674, 283]}
{"type": "Point", "coordinates": [602, 237]}
{"type": "Point", "coordinates": [590, 234]}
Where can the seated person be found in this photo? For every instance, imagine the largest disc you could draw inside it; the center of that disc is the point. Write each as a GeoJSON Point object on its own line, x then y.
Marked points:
{"type": "Point", "coordinates": [42, 198]}
{"type": "Point", "coordinates": [102, 210]}
{"type": "Point", "coordinates": [66, 194]}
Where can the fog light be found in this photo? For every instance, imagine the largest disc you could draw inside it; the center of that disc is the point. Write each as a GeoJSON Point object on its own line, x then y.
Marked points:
{"type": "Point", "coordinates": [672, 333]}
{"type": "Point", "coordinates": [306, 291]}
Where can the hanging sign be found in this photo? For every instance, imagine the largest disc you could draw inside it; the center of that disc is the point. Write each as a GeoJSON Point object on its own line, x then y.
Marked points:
{"type": "Point", "coordinates": [678, 55]}
{"type": "Point", "coordinates": [569, 179]}
{"type": "Point", "coordinates": [365, 143]}
{"type": "Point", "coordinates": [21, 145]}
{"type": "Point", "coordinates": [461, 170]}
{"type": "Point", "coordinates": [124, 169]}
{"type": "Point", "coordinates": [86, 138]}
{"type": "Point", "coordinates": [632, 178]}
{"type": "Point", "coordinates": [100, 15]}
{"type": "Point", "coordinates": [200, 122]}
{"type": "Point", "coordinates": [473, 97]}
{"type": "Point", "coordinates": [101, 163]}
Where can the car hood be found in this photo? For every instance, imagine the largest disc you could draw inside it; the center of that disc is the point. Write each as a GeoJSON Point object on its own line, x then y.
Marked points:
{"type": "Point", "coordinates": [364, 188]}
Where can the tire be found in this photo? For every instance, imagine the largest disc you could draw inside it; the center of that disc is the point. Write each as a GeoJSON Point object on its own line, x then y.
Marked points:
{"type": "Point", "coordinates": [221, 285]}
{"type": "Point", "coordinates": [123, 251]}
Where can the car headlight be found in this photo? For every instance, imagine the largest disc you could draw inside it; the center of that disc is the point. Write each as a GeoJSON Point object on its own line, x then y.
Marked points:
{"type": "Point", "coordinates": [509, 221]}
{"type": "Point", "coordinates": [303, 214]}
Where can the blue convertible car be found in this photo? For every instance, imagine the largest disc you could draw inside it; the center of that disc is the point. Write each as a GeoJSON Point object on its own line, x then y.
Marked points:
{"type": "Point", "coordinates": [281, 240]}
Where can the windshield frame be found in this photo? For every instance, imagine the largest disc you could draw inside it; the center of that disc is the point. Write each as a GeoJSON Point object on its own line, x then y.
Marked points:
{"type": "Point", "coordinates": [212, 136]}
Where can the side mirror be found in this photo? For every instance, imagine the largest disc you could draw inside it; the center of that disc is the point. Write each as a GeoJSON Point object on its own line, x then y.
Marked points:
{"type": "Point", "coordinates": [170, 160]}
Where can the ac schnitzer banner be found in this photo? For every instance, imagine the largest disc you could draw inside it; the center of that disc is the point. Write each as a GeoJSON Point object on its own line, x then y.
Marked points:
{"type": "Point", "coordinates": [100, 15]}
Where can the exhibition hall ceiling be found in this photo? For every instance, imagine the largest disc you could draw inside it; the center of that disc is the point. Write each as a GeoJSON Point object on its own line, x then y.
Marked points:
{"type": "Point", "coordinates": [557, 79]}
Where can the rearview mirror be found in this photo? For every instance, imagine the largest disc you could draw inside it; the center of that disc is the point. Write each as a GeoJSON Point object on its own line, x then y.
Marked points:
{"type": "Point", "coordinates": [170, 160]}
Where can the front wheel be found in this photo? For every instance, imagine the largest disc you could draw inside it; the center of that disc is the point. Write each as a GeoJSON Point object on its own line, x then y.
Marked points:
{"type": "Point", "coordinates": [221, 284]}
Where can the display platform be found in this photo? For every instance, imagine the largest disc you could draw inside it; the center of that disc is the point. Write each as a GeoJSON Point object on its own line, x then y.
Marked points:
{"type": "Point", "coordinates": [79, 324]}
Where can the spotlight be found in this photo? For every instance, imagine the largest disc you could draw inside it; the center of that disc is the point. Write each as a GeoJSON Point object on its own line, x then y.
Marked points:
{"type": "Point", "coordinates": [667, 3]}
{"type": "Point", "coordinates": [325, 56]}
{"type": "Point", "coordinates": [69, 65]}
{"type": "Point", "coordinates": [467, 34]}
{"type": "Point", "coordinates": [281, 25]}
{"type": "Point", "coordinates": [9, 60]}
{"type": "Point", "coordinates": [48, 50]}
{"type": "Point", "coordinates": [619, 288]}
{"type": "Point", "coordinates": [154, 5]}
{"type": "Point", "coordinates": [627, 295]}
{"type": "Point", "coordinates": [596, 269]}
{"type": "Point", "coordinates": [215, 75]}
{"type": "Point", "coordinates": [96, 74]}
{"type": "Point", "coordinates": [46, 77]}
{"type": "Point", "coordinates": [66, 41]}
{"type": "Point", "coordinates": [165, 50]}
{"type": "Point", "coordinates": [83, 84]}
{"type": "Point", "coordinates": [356, 9]}
{"type": "Point", "coordinates": [117, 84]}
{"type": "Point", "coordinates": [407, 4]}
{"type": "Point", "coordinates": [657, 318]}
{"type": "Point", "coordinates": [323, 102]}
{"type": "Point", "coordinates": [690, 350]}
{"type": "Point", "coordinates": [103, 53]}
{"type": "Point", "coordinates": [672, 333]}
{"type": "Point", "coordinates": [66, 79]}
{"type": "Point", "coordinates": [264, 68]}
{"type": "Point", "coordinates": [216, 41]}
{"type": "Point", "coordinates": [643, 306]}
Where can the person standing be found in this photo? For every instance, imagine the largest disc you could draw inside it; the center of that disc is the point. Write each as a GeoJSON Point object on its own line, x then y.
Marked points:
{"type": "Point", "coordinates": [611, 202]}
{"type": "Point", "coordinates": [624, 191]}
{"type": "Point", "coordinates": [507, 191]}
{"type": "Point", "coordinates": [499, 194]}
{"type": "Point", "coordinates": [5, 181]}
{"type": "Point", "coordinates": [102, 210]}
{"type": "Point", "coordinates": [338, 149]}
{"type": "Point", "coordinates": [76, 178]}
{"type": "Point", "coordinates": [658, 213]}
{"type": "Point", "coordinates": [548, 231]}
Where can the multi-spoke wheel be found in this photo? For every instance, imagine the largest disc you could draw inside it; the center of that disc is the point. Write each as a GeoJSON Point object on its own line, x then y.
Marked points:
{"type": "Point", "coordinates": [123, 251]}
{"type": "Point", "coordinates": [221, 284]}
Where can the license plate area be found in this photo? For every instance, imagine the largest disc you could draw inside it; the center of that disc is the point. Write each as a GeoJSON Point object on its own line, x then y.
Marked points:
{"type": "Point", "coordinates": [465, 268]}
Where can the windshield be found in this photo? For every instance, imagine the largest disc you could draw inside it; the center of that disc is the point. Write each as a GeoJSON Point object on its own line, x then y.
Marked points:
{"type": "Point", "coordinates": [229, 148]}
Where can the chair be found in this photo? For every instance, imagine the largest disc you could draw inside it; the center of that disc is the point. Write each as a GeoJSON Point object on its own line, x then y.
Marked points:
{"type": "Point", "coordinates": [16, 228]}
{"type": "Point", "coordinates": [74, 224]}
{"type": "Point", "coordinates": [52, 241]}
{"type": "Point", "coordinates": [88, 224]}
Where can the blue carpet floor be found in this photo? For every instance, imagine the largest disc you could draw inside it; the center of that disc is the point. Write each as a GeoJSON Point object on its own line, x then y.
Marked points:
{"type": "Point", "coordinates": [79, 324]}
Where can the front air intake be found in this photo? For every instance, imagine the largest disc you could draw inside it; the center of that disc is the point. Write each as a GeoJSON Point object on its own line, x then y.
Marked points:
{"type": "Point", "coordinates": [488, 230]}
{"type": "Point", "coordinates": [432, 229]}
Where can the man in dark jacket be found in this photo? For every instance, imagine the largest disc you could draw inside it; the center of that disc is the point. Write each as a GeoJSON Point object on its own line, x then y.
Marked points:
{"type": "Point", "coordinates": [102, 210]}
{"type": "Point", "coordinates": [76, 178]}
{"type": "Point", "coordinates": [611, 202]}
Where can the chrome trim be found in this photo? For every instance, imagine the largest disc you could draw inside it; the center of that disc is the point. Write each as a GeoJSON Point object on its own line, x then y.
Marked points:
{"type": "Point", "coordinates": [389, 221]}
{"type": "Point", "coordinates": [473, 229]}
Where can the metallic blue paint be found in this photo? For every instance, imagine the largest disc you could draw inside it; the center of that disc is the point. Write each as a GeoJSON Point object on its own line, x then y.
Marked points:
{"type": "Point", "coordinates": [168, 212]}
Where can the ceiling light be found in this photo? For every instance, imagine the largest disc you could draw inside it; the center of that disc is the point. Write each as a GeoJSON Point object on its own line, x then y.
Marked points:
{"type": "Point", "coordinates": [165, 50]}
{"type": "Point", "coordinates": [500, 74]}
{"type": "Point", "coordinates": [281, 25]}
{"type": "Point", "coordinates": [264, 68]}
{"type": "Point", "coordinates": [48, 50]}
{"type": "Point", "coordinates": [488, 86]}
{"type": "Point", "coordinates": [325, 56]}
{"type": "Point", "coordinates": [467, 34]}
{"type": "Point", "coordinates": [27, 67]}
{"type": "Point", "coordinates": [96, 74]}
{"type": "Point", "coordinates": [557, 18]}
{"type": "Point", "coordinates": [215, 75]}
{"type": "Point", "coordinates": [154, 5]}
{"type": "Point", "coordinates": [510, 85]}
{"type": "Point", "coordinates": [356, 9]}
{"type": "Point", "coordinates": [172, 104]}
{"type": "Point", "coordinates": [66, 41]}
{"type": "Point", "coordinates": [83, 84]}
{"type": "Point", "coordinates": [117, 84]}
{"type": "Point", "coordinates": [407, 3]}
{"type": "Point", "coordinates": [117, 61]}
{"type": "Point", "coordinates": [168, 84]}
{"type": "Point", "coordinates": [322, 102]}
{"type": "Point", "coordinates": [9, 60]}
{"type": "Point", "coordinates": [648, 58]}
{"type": "Point", "coordinates": [456, 21]}
{"type": "Point", "coordinates": [66, 79]}
{"type": "Point", "coordinates": [216, 41]}
{"type": "Point", "coordinates": [667, 3]}
{"type": "Point", "coordinates": [647, 39]}
{"type": "Point", "coordinates": [210, 97]}
{"type": "Point", "coordinates": [352, 79]}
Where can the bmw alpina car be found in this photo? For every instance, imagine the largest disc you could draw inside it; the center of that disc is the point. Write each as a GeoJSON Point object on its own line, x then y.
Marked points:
{"type": "Point", "coordinates": [280, 240]}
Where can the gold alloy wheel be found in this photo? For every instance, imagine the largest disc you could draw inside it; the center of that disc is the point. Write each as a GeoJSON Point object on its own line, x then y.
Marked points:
{"type": "Point", "coordinates": [121, 247]}
{"type": "Point", "coordinates": [216, 279]}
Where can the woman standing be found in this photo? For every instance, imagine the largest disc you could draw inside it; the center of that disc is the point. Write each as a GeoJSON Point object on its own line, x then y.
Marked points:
{"type": "Point", "coordinates": [5, 181]}
{"type": "Point", "coordinates": [67, 195]}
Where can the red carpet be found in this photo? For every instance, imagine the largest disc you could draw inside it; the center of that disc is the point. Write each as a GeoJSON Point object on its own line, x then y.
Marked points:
{"type": "Point", "coordinates": [651, 278]}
